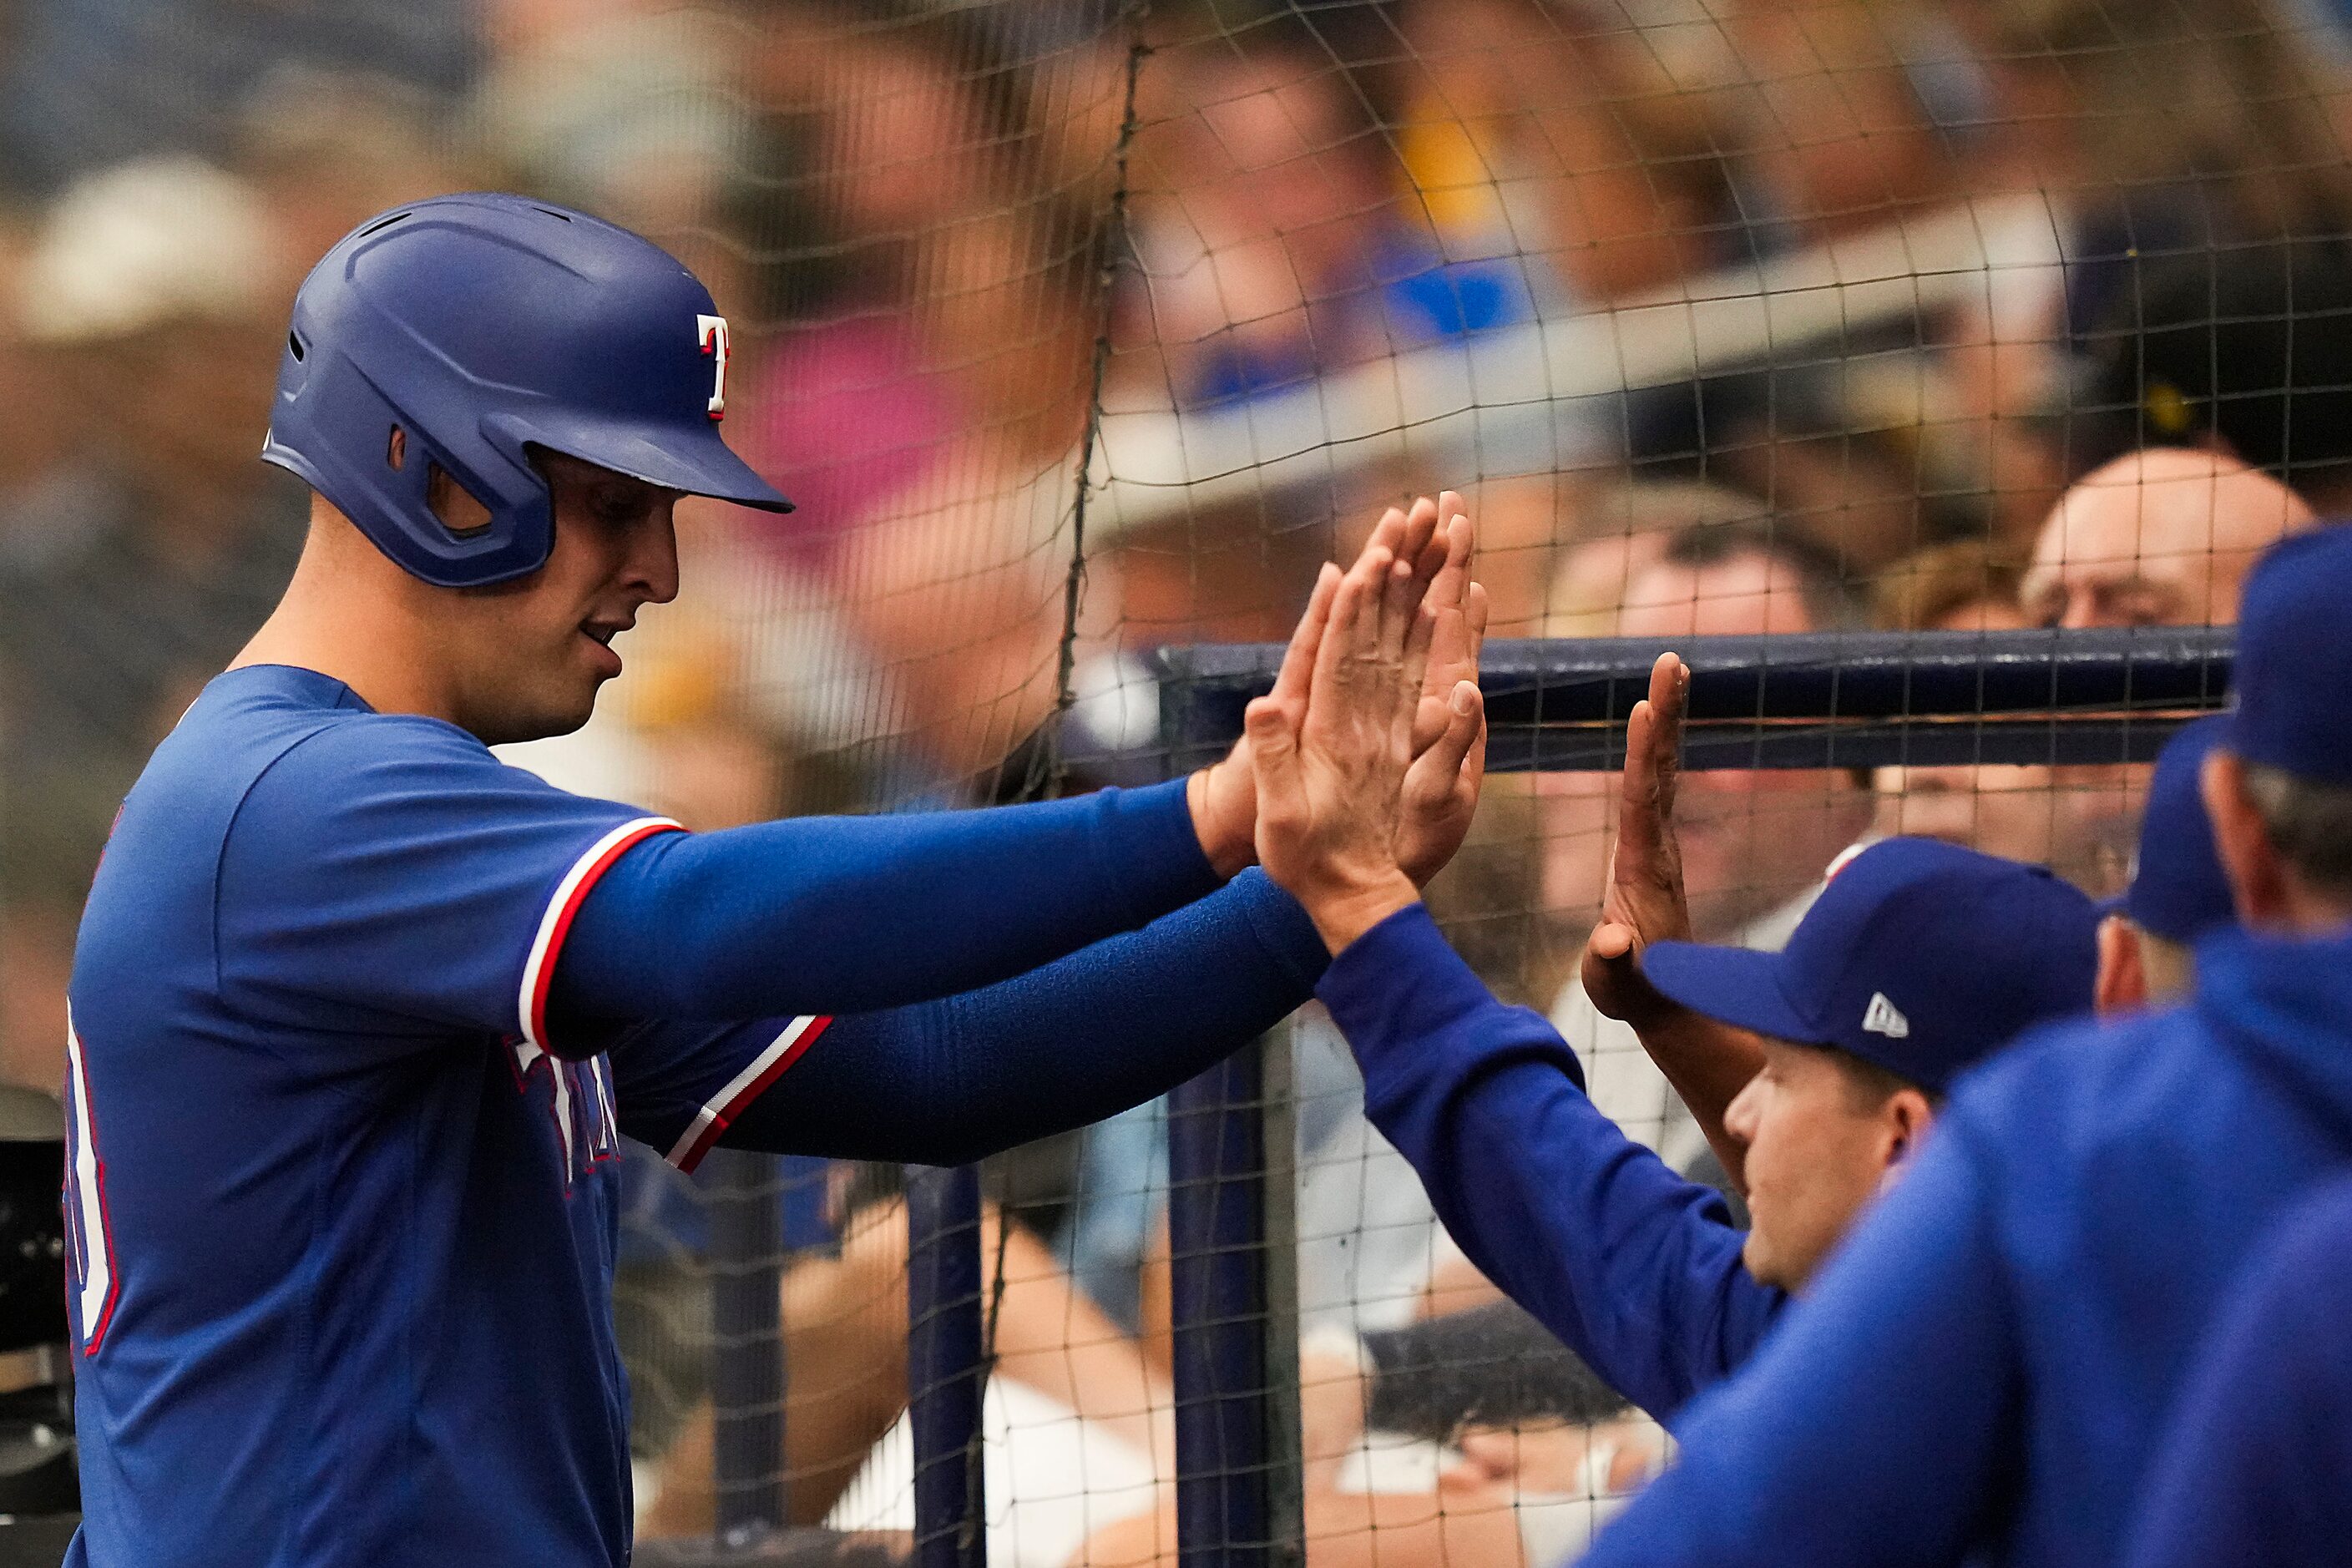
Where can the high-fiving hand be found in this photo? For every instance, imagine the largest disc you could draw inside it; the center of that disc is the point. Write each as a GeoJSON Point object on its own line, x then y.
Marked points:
{"type": "Point", "coordinates": [1645, 901]}
{"type": "Point", "coordinates": [1369, 751]}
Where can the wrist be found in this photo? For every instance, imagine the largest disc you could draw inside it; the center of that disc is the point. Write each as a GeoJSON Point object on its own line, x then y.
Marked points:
{"type": "Point", "coordinates": [1345, 910]}
{"type": "Point", "coordinates": [1229, 853]}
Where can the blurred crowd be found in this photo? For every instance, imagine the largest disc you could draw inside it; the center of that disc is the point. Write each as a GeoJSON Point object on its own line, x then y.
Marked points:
{"type": "Point", "coordinates": [948, 236]}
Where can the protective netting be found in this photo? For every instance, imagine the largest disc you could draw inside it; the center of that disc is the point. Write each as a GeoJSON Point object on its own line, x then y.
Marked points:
{"type": "Point", "coordinates": [1078, 328]}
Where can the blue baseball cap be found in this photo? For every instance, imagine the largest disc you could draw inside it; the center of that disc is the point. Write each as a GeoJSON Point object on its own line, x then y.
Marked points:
{"type": "Point", "coordinates": [2294, 658]}
{"type": "Point", "coordinates": [2177, 890]}
{"type": "Point", "coordinates": [1920, 956]}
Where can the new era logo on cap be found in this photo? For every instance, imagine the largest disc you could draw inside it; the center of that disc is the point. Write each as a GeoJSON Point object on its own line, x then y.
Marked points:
{"type": "Point", "coordinates": [1883, 1017]}
{"type": "Point", "coordinates": [1980, 949]}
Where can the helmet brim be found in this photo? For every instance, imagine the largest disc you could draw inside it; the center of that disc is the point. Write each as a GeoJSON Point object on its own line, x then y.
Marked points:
{"type": "Point", "coordinates": [694, 459]}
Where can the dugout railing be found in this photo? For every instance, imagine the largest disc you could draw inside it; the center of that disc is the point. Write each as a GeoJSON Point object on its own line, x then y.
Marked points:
{"type": "Point", "coordinates": [1814, 700]}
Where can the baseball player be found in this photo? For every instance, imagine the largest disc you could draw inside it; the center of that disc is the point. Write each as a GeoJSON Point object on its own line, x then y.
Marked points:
{"type": "Point", "coordinates": [1982, 1372]}
{"type": "Point", "coordinates": [2178, 895]}
{"type": "Point", "coordinates": [1917, 960]}
{"type": "Point", "coordinates": [360, 1016]}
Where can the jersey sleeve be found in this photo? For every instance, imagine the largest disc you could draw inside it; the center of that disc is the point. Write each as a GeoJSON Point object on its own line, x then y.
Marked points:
{"type": "Point", "coordinates": [390, 879]}
{"type": "Point", "coordinates": [1637, 1271]}
{"type": "Point", "coordinates": [951, 1079]}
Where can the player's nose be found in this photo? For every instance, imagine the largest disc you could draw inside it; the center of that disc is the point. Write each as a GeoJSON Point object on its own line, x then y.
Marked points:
{"type": "Point", "coordinates": [650, 572]}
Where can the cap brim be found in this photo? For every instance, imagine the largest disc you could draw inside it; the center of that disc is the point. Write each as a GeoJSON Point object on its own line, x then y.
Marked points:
{"type": "Point", "coordinates": [695, 459]}
{"type": "Point", "coordinates": [1731, 984]}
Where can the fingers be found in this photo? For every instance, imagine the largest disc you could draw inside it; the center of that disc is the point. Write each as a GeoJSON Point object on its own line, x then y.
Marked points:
{"type": "Point", "coordinates": [1422, 522]}
{"type": "Point", "coordinates": [1447, 665]}
{"type": "Point", "coordinates": [1637, 821]}
{"type": "Point", "coordinates": [1420, 629]}
{"type": "Point", "coordinates": [1466, 726]}
{"type": "Point", "coordinates": [1610, 942]}
{"type": "Point", "coordinates": [1273, 754]}
{"type": "Point", "coordinates": [1388, 534]}
{"type": "Point", "coordinates": [1292, 682]}
{"type": "Point", "coordinates": [1351, 632]}
{"type": "Point", "coordinates": [1669, 696]}
{"type": "Point", "coordinates": [1432, 778]}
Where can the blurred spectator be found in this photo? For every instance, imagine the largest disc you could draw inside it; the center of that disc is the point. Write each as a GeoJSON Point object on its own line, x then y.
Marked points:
{"type": "Point", "coordinates": [2143, 129]}
{"type": "Point", "coordinates": [129, 576]}
{"type": "Point", "coordinates": [945, 284]}
{"type": "Point", "coordinates": [623, 108]}
{"type": "Point", "coordinates": [925, 402]}
{"type": "Point", "coordinates": [1274, 229]}
{"type": "Point", "coordinates": [327, 150]}
{"type": "Point", "coordinates": [2160, 538]}
{"type": "Point", "coordinates": [94, 82]}
{"type": "Point", "coordinates": [1755, 841]}
{"type": "Point", "coordinates": [2245, 351]}
{"type": "Point", "coordinates": [1560, 130]}
{"type": "Point", "coordinates": [2188, 123]}
{"type": "Point", "coordinates": [2008, 809]}
{"type": "Point", "coordinates": [1078, 1425]}
{"type": "Point", "coordinates": [1846, 112]}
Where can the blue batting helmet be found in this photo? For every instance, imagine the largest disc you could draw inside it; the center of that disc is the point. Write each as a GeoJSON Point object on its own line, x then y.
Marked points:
{"type": "Point", "coordinates": [480, 326]}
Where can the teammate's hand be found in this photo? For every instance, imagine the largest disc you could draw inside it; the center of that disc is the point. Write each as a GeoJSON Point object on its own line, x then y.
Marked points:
{"type": "Point", "coordinates": [1224, 797]}
{"type": "Point", "coordinates": [1645, 901]}
{"type": "Point", "coordinates": [1449, 727]}
{"type": "Point", "coordinates": [1331, 758]}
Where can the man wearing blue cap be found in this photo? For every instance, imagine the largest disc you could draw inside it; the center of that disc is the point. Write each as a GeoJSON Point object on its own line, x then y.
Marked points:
{"type": "Point", "coordinates": [1917, 960]}
{"type": "Point", "coordinates": [2179, 893]}
{"type": "Point", "coordinates": [1983, 1372]}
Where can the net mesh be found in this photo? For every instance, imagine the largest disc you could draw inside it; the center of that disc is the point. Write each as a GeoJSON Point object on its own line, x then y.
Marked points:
{"type": "Point", "coordinates": [1080, 327]}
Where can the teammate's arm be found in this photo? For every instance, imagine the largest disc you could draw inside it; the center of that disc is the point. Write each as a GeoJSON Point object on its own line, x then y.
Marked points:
{"type": "Point", "coordinates": [1636, 1269]}
{"type": "Point", "coordinates": [1867, 1429]}
{"type": "Point", "coordinates": [1707, 1062]}
{"type": "Point", "coordinates": [946, 1081]}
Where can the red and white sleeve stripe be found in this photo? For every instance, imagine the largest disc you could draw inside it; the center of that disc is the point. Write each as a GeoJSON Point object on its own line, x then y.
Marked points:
{"type": "Point", "coordinates": [538, 969]}
{"type": "Point", "coordinates": [747, 1085]}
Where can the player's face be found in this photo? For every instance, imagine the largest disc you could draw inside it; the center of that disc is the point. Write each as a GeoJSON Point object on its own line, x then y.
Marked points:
{"type": "Point", "coordinates": [543, 643]}
{"type": "Point", "coordinates": [1816, 1154]}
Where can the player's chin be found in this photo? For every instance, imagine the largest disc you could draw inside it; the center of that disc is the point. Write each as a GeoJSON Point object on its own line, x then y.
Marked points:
{"type": "Point", "coordinates": [1757, 1256]}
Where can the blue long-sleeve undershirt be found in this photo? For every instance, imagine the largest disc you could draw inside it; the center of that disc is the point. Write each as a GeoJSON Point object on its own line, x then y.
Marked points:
{"type": "Point", "coordinates": [949, 1080]}
{"type": "Point", "coordinates": [834, 915]}
{"type": "Point", "coordinates": [1637, 1269]}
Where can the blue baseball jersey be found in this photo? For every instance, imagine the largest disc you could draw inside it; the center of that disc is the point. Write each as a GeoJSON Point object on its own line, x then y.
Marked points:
{"type": "Point", "coordinates": [342, 1212]}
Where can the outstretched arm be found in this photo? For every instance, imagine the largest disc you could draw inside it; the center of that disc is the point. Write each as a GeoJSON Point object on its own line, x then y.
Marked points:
{"type": "Point", "coordinates": [850, 914]}
{"type": "Point", "coordinates": [1707, 1062]}
{"type": "Point", "coordinates": [946, 1081]}
{"type": "Point", "coordinates": [1637, 1269]}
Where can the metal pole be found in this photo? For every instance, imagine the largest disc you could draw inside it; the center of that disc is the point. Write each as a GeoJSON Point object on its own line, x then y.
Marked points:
{"type": "Point", "coordinates": [945, 1368]}
{"type": "Point", "coordinates": [744, 1199]}
{"type": "Point", "coordinates": [1816, 699]}
{"type": "Point", "coordinates": [1217, 1298]}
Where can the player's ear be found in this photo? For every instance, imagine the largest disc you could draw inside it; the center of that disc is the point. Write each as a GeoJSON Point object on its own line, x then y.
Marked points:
{"type": "Point", "coordinates": [2257, 875]}
{"type": "Point", "coordinates": [1909, 1113]}
{"type": "Point", "coordinates": [2121, 983]}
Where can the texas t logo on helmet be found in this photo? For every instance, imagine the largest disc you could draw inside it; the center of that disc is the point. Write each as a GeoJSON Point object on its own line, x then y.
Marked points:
{"type": "Point", "coordinates": [711, 332]}
{"type": "Point", "coordinates": [479, 327]}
